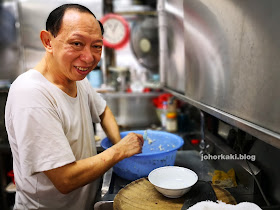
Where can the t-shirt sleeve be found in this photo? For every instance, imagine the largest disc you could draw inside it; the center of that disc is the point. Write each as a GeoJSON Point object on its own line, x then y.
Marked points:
{"type": "Point", "coordinates": [42, 144]}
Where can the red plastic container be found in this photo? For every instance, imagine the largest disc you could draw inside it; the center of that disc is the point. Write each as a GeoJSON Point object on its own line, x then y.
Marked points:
{"type": "Point", "coordinates": [11, 175]}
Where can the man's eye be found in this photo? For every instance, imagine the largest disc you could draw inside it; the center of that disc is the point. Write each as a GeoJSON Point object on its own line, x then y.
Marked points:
{"type": "Point", "coordinates": [97, 46]}
{"type": "Point", "coordinates": [78, 44]}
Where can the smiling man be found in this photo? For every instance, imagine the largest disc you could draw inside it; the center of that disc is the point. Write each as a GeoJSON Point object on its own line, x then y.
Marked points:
{"type": "Point", "coordinates": [49, 118]}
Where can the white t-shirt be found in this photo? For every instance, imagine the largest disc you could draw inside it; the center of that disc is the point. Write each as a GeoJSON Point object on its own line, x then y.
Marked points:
{"type": "Point", "coordinates": [48, 129]}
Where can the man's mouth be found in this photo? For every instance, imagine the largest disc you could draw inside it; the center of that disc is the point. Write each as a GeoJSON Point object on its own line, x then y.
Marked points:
{"type": "Point", "coordinates": [82, 68]}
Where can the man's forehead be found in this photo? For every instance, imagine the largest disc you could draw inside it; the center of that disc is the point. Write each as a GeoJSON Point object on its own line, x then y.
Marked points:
{"type": "Point", "coordinates": [73, 15]}
{"type": "Point", "coordinates": [74, 20]}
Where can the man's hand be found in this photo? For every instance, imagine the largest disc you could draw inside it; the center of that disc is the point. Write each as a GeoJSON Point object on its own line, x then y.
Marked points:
{"type": "Point", "coordinates": [130, 145]}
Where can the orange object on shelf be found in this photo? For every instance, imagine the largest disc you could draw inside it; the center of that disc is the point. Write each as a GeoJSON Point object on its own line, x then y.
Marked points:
{"type": "Point", "coordinates": [171, 115]}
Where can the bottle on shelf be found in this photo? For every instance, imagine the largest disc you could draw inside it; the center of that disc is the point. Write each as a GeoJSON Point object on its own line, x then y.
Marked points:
{"type": "Point", "coordinates": [171, 122]}
{"type": "Point", "coordinates": [171, 116]}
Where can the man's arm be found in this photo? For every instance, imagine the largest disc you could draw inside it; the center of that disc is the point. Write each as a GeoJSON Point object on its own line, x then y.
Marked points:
{"type": "Point", "coordinates": [74, 175]}
{"type": "Point", "coordinates": [110, 126]}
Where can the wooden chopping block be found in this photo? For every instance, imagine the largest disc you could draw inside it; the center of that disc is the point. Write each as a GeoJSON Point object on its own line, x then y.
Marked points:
{"type": "Point", "coordinates": [141, 194]}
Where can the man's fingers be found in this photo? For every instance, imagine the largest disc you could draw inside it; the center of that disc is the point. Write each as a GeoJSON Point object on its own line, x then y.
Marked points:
{"type": "Point", "coordinates": [140, 137]}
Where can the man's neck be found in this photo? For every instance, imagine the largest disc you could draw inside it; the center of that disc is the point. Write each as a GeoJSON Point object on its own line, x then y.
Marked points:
{"type": "Point", "coordinates": [67, 86]}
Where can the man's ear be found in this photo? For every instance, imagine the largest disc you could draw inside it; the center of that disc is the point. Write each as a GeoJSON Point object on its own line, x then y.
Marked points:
{"type": "Point", "coordinates": [46, 40]}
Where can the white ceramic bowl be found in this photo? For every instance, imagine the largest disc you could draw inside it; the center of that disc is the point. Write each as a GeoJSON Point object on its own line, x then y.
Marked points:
{"type": "Point", "coordinates": [173, 181]}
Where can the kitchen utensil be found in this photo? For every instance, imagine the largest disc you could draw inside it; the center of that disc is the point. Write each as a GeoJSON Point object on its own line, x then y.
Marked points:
{"type": "Point", "coordinates": [159, 150]}
{"type": "Point", "coordinates": [145, 135]}
{"type": "Point", "coordinates": [173, 181]}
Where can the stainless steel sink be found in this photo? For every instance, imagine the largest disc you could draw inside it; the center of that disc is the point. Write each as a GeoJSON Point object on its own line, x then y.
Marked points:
{"type": "Point", "coordinates": [133, 109]}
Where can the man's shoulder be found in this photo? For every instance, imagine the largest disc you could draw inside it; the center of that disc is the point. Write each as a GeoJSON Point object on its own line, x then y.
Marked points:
{"type": "Point", "coordinates": [30, 87]}
{"type": "Point", "coordinates": [27, 79]}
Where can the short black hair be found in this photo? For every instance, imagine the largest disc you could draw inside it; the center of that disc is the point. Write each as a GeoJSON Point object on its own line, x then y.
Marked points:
{"type": "Point", "coordinates": [53, 23]}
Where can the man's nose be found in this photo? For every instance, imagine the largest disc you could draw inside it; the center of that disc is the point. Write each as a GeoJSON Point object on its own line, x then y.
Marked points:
{"type": "Point", "coordinates": [87, 56]}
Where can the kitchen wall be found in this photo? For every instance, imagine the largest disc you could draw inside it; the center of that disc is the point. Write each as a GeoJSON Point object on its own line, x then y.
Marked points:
{"type": "Point", "coordinates": [9, 43]}
{"type": "Point", "coordinates": [229, 56]}
{"type": "Point", "coordinates": [229, 60]}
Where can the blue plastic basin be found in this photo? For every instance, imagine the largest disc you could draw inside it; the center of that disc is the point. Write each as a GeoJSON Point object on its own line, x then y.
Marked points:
{"type": "Point", "coordinates": [159, 150]}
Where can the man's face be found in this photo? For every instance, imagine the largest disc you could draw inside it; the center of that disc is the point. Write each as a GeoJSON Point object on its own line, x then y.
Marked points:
{"type": "Point", "coordinates": [77, 47]}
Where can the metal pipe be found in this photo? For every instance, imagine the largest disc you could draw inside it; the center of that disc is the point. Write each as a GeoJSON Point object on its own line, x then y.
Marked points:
{"type": "Point", "coordinates": [202, 144]}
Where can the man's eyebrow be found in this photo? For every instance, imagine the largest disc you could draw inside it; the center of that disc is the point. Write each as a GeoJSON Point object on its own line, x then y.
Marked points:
{"type": "Point", "coordinates": [99, 40]}
{"type": "Point", "coordinates": [78, 35]}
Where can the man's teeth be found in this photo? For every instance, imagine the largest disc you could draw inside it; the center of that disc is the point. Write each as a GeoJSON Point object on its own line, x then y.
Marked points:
{"type": "Point", "coordinates": [81, 68]}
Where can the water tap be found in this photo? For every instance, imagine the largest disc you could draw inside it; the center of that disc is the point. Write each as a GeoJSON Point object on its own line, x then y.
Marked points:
{"type": "Point", "coordinates": [203, 145]}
